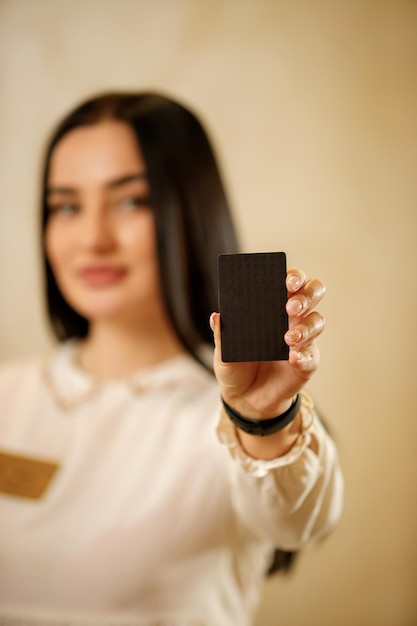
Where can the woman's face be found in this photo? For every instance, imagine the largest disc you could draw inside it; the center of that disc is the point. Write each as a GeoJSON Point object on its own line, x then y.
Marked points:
{"type": "Point", "coordinates": [100, 235]}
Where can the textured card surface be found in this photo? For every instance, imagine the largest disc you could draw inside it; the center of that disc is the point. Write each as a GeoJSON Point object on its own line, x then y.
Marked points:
{"type": "Point", "coordinates": [252, 299]}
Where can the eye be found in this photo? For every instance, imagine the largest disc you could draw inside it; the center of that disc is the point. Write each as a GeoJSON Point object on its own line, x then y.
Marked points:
{"type": "Point", "coordinates": [134, 202]}
{"type": "Point", "coordinates": [63, 208]}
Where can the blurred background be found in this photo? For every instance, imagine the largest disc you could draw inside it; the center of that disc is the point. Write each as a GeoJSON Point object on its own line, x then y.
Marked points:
{"type": "Point", "coordinates": [312, 105]}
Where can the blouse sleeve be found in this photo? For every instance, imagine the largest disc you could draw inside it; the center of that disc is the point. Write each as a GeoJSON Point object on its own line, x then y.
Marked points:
{"type": "Point", "coordinates": [291, 499]}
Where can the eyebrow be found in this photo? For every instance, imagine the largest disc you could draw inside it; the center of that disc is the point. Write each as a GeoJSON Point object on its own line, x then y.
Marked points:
{"type": "Point", "coordinates": [111, 184]}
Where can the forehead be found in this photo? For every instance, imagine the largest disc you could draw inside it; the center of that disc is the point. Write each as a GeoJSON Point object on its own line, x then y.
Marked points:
{"type": "Point", "coordinates": [95, 154]}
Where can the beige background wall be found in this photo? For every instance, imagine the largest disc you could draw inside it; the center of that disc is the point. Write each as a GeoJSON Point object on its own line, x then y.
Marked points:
{"type": "Point", "coordinates": [312, 104]}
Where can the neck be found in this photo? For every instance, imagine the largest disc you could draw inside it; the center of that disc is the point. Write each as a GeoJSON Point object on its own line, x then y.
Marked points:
{"type": "Point", "coordinates": [115, 350]}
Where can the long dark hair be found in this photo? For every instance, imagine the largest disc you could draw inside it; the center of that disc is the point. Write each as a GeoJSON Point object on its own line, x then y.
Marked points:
{"type": "Point", "coordinates": [192, 216]}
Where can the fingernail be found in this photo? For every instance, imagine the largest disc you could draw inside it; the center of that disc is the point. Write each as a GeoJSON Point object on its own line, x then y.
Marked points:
{"type": "Point", "coordinates": [294, 336]}
{"type": "Point", "coordinates": [294, 283]}
{"type": "Point", "coordinates": [211, 321]}
{"type": "Point", "coordinates": [294, 307]}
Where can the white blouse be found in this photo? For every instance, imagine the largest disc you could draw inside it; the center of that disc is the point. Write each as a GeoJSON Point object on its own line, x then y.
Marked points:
{"type": "Point", "coordinates": [147, 520]}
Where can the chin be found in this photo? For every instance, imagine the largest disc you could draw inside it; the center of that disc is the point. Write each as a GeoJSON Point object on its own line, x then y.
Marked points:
{"type": "Point", "coordinates": [97, 308]}
{"type": "Point", "coordinates": [107, 304]}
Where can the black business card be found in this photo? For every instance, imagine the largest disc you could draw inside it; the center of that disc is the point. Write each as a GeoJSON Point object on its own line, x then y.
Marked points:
{"type": "Point", "coordinates": [252, 300]}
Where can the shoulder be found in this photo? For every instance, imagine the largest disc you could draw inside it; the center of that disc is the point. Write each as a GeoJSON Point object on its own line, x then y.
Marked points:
{"type": "Point", "coordinates": [19, 367]}
{"type": "Point", "coordinates": [18, 372]}
{"type": "Point", "coordinates": [19, 380]}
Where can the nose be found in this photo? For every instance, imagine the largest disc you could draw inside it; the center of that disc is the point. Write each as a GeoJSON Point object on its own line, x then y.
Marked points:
{"type": "Point", "coordinates": [96, 233]}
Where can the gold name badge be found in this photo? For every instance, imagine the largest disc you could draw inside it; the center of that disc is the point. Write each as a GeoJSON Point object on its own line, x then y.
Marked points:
{"type": "Point", "coordinates": [25, 477]}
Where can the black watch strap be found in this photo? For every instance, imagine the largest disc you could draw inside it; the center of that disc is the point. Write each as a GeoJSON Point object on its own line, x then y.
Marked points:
{"type": "Point", "coordinates": [263, 428]}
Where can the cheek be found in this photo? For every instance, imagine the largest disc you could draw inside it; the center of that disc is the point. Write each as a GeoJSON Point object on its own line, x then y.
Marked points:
{"type": "Point", "coordinates": [139, 239]}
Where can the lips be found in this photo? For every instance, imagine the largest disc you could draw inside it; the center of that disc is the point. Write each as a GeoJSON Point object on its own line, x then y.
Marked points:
{"type": "Point", "coordinates": [102, 275]}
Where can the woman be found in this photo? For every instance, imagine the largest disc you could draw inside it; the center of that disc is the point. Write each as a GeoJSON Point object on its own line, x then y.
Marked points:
{"type": "Point", "coordinates": [119, 503]}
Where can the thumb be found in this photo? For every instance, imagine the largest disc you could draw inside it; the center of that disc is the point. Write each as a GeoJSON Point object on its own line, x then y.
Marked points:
{"type": "Point", "coordinates": [215, 327]}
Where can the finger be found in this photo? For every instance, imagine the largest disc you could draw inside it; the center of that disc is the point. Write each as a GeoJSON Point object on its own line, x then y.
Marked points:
{"type": "Point", "coordinates": [215, 327]}
{"type": "Point", "coordinates": [306, 298]}
{"type": "Point", "coordinates": [295, 279]}
{"type": "Point", "coordinates": [306, 361]}
{"type": "Point", "coordinates": [308, 330]}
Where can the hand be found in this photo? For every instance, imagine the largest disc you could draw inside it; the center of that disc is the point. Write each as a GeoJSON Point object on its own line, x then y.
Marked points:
{"type": "Point", "coordinates": [266, 389]}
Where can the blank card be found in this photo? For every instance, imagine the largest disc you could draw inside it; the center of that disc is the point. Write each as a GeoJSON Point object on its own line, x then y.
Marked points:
{"type": "Point", "coordinates": [252, 300]}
